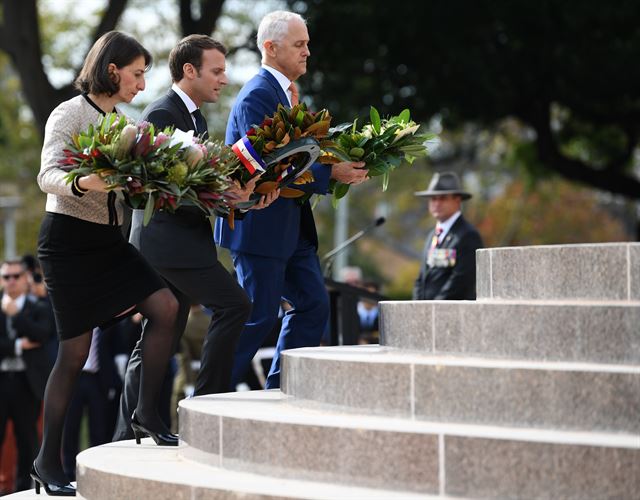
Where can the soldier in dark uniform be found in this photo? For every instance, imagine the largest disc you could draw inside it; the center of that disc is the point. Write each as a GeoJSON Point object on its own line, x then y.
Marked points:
{"type": "Point", "coordinates": [448, 269]}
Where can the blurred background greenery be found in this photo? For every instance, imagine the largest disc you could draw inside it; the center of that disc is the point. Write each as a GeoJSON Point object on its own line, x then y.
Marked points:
{"type": "Point", "coordinates": [536, 104]}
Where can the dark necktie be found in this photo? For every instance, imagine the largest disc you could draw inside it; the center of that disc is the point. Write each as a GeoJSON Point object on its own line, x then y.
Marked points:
{"type": "Point", "coordinates": [201, 123]}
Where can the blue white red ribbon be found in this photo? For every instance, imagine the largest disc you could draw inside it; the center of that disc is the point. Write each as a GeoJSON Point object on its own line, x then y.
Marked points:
{"type": "Point", "coordinates": [248, 156]}
{"type": "Point", "coordinates": [286, 172]}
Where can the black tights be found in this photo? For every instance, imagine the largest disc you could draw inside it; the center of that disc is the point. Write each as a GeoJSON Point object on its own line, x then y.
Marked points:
{"type": "Point", "coordinates": [160, 309]}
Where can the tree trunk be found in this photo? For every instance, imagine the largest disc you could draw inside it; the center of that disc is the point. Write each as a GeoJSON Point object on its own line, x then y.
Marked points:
{"type": "Point", "coordinates": [209, 12]}
{"type": "Point", "coordinates": [20, 39]}
{"type": "Point", "coordinates": [610, 178]}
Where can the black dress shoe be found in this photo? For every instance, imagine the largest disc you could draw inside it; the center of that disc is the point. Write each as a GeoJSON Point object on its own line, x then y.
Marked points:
{"type": "Point", "coordinates": [161, 438]}
{"type": "Point", "coordinates": [68, 490]}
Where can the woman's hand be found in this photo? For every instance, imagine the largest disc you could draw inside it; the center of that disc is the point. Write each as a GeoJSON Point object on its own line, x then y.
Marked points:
{"type": "Point", "coordinates": [92, 182]}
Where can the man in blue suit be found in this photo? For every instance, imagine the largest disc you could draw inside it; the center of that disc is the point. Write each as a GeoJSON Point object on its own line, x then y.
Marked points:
{"type": "Point", "coordinates": [274, 250]}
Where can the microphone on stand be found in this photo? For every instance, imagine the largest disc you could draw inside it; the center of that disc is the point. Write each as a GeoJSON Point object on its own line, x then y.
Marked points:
{"type": "Point", "coordinates": [329, 256]}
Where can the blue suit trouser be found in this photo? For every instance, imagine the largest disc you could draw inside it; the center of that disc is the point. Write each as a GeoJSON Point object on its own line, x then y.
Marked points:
{"type": "Point", "coordinates": [267, 280]}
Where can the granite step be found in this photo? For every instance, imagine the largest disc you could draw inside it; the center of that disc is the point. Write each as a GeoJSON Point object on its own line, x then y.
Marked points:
{"type": "Point", "coordinates": [605, 271]}
{"type": "Point", "coordinates": [126, 471]}
{"type": "Point", "coordinates": [549, 395]}
{"type": "Point", "coordinates": [584, 331]}
{"type": "Point", "coordinates": [265, 432]}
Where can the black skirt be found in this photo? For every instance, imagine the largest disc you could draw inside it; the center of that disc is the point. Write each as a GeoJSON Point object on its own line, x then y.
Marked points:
{"type": "Point", "coordinates": [92, 273]}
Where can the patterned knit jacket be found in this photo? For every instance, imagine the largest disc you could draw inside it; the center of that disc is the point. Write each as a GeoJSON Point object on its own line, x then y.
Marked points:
{"type": "Point", "coordinates": [69, 118]}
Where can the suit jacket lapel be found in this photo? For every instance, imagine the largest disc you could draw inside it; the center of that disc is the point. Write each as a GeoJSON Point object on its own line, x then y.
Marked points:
{"type": "Point", "coordinates": [183, 112]}
{"type": "Point", "coordinates": [276, 86]}
{"type": "Point", "coordinates": [450, 238]}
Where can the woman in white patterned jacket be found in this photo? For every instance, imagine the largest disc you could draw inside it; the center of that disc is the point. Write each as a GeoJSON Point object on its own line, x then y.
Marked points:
{"type": "Point", "coordinates": [94, 276]}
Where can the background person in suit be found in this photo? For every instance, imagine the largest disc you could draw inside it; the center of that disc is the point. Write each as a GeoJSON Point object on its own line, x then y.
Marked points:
{"type": "Point", "coordinates": [25, 326]}
{"type": "Point", "coordinates": [38, 289]}
{"type": "Point", "coordinates": [180, 246]}
{"type": "Point", "coordinates": [274, 250]}
{"type": "Point", "coordinates": [369, 315]}
{"type": "Point", "coordinates": [448, 270]}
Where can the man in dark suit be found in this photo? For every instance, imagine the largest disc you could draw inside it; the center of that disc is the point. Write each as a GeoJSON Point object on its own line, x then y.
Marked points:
{"type": "Point", "coordinates": [25, 326]}
{"type": "Point", "coordinates": [180, 246]}
{"type": "Point", "coordinates": [274, 250]}
{"type": "Point", "coordinates": [448, 269]}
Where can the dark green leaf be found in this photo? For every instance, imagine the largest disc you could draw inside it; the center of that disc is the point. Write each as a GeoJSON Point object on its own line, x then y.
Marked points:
{"type": "Point", "coordinates": [375, 119]}
{"type": "Point", "coordinates": [148, 209]}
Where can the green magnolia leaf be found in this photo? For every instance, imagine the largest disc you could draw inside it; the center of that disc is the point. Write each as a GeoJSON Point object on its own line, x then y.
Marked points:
{"type": "Point", "coordinates": [404, 116]}
{"type": "Point", "coordinates": [375, 119]}
{"type": "Point", "coordinates": [135, 201]}
{"type": "Point", "coordinates": [339, 153]}
{"type": "Point", "coordinates": [377, 167]}
{"type": "Point", "coordinates": [340, 190]}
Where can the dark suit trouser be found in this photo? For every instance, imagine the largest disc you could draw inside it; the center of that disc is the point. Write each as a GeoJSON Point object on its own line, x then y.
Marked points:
{"type": "Point", "coordinates": [214, 288]}
{"type": "Point", "coordinates": [267, 280]}
{"type": "Point", "coordinates": [19, 404]}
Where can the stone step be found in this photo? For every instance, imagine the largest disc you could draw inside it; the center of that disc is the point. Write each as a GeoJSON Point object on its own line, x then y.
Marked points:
{"type": "Point", "coordinates": [601, 332]}
{"type": "Point", "coordinates": [126, 471]}
{"type": "Point", "coordinates": [262, 432]}
{"type": "Point", "coordinates": [547, 395]}
{"type": "Point", "coordinates": [606, 271]}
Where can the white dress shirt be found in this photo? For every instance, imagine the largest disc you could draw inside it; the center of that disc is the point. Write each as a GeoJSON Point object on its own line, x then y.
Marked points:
{"type": "Point", "coordinates": [446, 225]}
{"type": "Point", "coordinates": [14, 363]}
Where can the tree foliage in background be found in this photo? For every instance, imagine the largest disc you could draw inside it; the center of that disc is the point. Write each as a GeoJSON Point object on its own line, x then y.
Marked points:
{"type": "Point", "coordinates": [20, 38]}
{"type": "Point", "coordinates": [565, 69]}
{"type": "Point", "coordinates": [432, 57]}
{"type": "Point", "coordinates": [554, 213]}
{"type": "Point", "coordinates": [32, 42]}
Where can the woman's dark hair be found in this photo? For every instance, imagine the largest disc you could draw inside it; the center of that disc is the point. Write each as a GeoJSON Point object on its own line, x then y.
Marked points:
{"type": "Point", "coordinates": [189, 50]}
{"type": "Point", "coordinates": [112, 47]}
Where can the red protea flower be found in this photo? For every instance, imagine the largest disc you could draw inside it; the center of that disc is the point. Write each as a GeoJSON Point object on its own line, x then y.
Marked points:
{"type": "Point", "coordinates": [134, 186]}
{"type": "Point", "coordinates": [143, 146]}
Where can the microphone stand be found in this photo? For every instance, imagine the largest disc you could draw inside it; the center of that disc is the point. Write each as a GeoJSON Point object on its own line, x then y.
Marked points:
{"type": "Point", "coordinates": [330, 256]}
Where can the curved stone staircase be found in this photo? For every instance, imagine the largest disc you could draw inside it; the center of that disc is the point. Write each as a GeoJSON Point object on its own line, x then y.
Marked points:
{"type": "Point", "coordinates": [532, 391]}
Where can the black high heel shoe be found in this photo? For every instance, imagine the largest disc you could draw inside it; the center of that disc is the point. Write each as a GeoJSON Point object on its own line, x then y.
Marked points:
{"type": "Point", "coordinates": [68, 490]}
{"type": "Point", "coordinates": [161, 438]}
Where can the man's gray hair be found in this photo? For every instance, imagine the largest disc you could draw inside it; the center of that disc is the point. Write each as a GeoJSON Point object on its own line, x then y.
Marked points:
{"type": "Point", "coordinates": [274, 26]}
